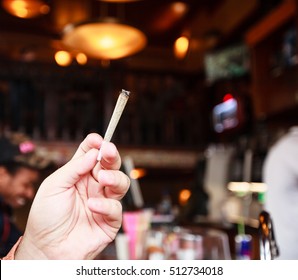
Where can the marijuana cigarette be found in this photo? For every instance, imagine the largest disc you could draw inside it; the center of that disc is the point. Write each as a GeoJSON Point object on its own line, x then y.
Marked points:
{"type": "Point", "coordinates": [120, 105]}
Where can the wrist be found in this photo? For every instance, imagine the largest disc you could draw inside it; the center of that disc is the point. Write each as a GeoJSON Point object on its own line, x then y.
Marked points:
{"type": "Point", "coordinates": [27, 250]}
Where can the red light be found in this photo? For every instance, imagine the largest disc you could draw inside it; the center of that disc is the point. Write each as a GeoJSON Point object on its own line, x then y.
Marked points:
{"type": "Point", "coordinates": [227, 97]}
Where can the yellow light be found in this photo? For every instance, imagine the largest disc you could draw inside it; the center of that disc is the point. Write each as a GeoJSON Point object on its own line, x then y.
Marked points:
{"type": "Point", "coordinates": [107, 42]}
{"type": "Point", "coordinates": [81, 58]}
{"type": "Point", "coordinates": [184, 196]}
{"type": "Point", "coordinates": [25, 8]}
{"type": "Point", "coordinates": [181, 47]}
{"type": "Point", "coordinates": [137, 173]}
{"type": "Point", "coordinates": [63, 58]}
{"type": "Point", "coordinates": [105, 39]}
{"type": "Point", "coordinates": [19, 8]}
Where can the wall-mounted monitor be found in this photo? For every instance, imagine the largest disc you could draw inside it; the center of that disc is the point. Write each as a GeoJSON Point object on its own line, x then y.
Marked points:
{"type": "Point", "coordinates": [225, 115]}
{"type": "Point", "coordinates": [230, 62]}
{"type": "Point", "coordinates": [232, 114]}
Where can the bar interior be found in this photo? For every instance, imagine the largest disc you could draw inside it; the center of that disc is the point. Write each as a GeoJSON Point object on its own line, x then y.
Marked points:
{"type": "Point", "coordinates": [213, 85]}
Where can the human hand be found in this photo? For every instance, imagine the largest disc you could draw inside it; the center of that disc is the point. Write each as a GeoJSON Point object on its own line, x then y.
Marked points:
{"type": "Point", "coordinates": [77, 209]}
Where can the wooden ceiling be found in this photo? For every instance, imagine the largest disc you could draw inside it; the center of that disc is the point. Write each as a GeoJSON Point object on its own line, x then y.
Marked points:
{"type": "Point", "coordinates": [204, 21]}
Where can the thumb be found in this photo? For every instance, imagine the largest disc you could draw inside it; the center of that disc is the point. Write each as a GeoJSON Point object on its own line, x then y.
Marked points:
{"type": "Point", "coordinates": [71, 172]}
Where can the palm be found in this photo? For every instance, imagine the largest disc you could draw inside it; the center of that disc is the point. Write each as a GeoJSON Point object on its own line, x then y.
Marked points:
{"type": "Point", "coordinates": [76, 211]}
{"type": "Point", "coordinates": [75, 220]}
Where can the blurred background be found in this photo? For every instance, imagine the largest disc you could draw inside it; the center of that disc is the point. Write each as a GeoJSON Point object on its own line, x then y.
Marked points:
{"type": "Point", "coordinates": [213, 84]}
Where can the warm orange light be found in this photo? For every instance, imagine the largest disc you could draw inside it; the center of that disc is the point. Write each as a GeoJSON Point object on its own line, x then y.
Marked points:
{"type": "Point", "coordinates": [180, 8]}
{"type": "Point", "coordinates": [105, 39]}
{"type": "Point", "coordinates": [63, 58]}
{"type": "Point", "coordinates": [169, 15]}
{"type": "Point", "coordinates": [184, 196]}
{"type": "Point", "coordinates": [26, 8]}
{"type": "Point", "coordinates": [181, 47]}
{"type": "Point", "coordinates": [119, 1]}
{"type": "Point", "coordinates": [137, 173]}
{"type": "Point", "coordinates": [81, 58]}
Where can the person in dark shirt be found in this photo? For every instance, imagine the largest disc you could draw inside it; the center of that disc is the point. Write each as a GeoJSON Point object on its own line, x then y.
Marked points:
{"type": "Point", "coordinates": [20, 167]}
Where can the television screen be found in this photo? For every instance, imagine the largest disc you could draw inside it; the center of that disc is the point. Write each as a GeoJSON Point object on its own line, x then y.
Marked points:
{"type": "Point", "coordinates": [227, 63]}
{"type": "Point", "coordinates": [225, 115]}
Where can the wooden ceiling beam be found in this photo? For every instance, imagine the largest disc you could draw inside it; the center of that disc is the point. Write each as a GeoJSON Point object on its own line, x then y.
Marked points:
{"type": "Point", "coordinates": [276, 18]}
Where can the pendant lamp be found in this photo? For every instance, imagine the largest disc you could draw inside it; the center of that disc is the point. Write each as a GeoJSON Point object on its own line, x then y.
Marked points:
{"type": "Point", "coordinates": [105, 38]}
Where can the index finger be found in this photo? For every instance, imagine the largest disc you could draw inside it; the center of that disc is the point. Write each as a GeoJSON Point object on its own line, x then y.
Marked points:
{"type": "Point", "coordinates": [110, 160]}
{"type": "Point", "coordinates": [92, 140]}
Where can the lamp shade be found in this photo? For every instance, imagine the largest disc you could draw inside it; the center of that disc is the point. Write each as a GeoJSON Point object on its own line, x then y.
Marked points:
{"type": "Point", "coordinates": [105, 38]}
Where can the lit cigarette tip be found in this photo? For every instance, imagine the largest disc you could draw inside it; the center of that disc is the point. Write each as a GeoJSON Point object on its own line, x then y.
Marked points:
{"type": "Point", "coordinates": [126, 92]}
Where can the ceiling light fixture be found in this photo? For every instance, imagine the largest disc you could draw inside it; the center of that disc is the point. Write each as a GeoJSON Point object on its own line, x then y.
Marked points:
{"type": "Point", "coordinates": [26, 8]}
{"type": "Point", "coordinates": [104, 38]}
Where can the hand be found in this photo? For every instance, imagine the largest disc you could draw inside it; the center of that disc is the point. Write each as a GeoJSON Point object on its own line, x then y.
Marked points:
{"type": "Point", "coordinates": [76, 212]}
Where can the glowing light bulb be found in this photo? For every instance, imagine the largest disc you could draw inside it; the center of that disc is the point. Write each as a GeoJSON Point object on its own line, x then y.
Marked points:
{"type": "Point", "coordinates": [181, 47]}
{"type": "Point", "coordinates": [63, 58]}
{"type": "Point", "coordinates": [81, 58]}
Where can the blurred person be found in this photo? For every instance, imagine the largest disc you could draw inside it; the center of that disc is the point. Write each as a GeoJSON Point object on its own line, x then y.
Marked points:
{"type": "Point", "coordinates": [280, 173]}
{"type": "Point", "coordinates": [77, 211]}
{"type": "Point", "coordinates": [19, 172]}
